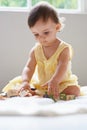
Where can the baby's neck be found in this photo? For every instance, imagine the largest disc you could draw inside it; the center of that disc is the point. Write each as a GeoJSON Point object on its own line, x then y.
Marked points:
{"type": "Point", "coordinates": [50, 50]}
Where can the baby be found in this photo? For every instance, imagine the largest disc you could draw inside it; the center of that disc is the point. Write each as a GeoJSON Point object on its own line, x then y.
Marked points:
{"type": "Point", "coordinates": [48, 67]}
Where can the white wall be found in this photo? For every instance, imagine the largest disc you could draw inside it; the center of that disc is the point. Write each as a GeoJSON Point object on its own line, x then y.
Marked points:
{"type": "Point", "coordinates": [16, 40]}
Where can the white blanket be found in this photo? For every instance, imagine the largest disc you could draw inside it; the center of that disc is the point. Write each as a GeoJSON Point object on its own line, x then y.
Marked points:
{"type": "Point", "coordinates": [35, 106]}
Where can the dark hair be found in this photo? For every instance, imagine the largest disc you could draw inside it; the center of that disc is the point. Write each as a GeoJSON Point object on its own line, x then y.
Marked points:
{"type": "Point", "coordinates": [42, 10]}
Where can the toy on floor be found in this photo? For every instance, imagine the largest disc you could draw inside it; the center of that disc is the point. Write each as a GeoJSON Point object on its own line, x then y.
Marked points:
{"type": "Point", "coordinates": [61, 97]}
{"type": "Point", "coordinates": [26, 93]}
{"type": "Point", "coordinates": [66, 97]}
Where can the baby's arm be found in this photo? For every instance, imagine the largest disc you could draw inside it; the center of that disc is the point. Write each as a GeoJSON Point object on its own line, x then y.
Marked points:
{"type": "Point", "coordinates": [29, 67]}
{"type": "Point", "coordinates": [59, 73]}
{"type": "Point", "coordinates": [28, 71]}
{"type": "Point", "coordinates": [62, 66]}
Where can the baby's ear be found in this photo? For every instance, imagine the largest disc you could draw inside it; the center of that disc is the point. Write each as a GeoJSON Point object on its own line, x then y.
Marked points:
{"type": "Point", "coordinates": [58, 27]}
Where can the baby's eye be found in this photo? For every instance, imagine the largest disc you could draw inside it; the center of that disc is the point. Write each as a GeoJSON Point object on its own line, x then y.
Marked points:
{"type": "Point", "coordinates": [46, 33]}
{"type": "Point", "coordinates": [36, 35]}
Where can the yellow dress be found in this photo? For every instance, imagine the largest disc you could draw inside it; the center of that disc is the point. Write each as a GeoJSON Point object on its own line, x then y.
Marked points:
{"type": "Point", "coordinates": [45, 69]}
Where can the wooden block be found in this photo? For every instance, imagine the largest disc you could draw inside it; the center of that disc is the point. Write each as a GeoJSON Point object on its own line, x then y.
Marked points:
{"type": "Point", "coordinates": [66, 97]}
{"type": "Point", "coordinates": [62, 96]}
{"type": "Point", "coordinates": [70, 97]}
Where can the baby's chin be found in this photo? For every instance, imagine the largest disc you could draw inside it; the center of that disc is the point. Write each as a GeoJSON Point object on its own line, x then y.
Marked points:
{"type": "Point", "coordinates": [46, 44]}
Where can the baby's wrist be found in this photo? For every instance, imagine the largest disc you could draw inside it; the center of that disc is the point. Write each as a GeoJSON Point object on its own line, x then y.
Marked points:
{"type": "Point", "coordinates": [25, 81]}
{"type": "Point", "coordinates": [55, 80]}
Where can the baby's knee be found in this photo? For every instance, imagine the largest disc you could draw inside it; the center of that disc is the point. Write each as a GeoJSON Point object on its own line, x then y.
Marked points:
{"type": "Point", "coordinates": [72, 90]}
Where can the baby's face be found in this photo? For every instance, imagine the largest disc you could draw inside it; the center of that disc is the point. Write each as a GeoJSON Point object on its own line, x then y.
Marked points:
{"type": "Point", "coordinates": [45, 32]}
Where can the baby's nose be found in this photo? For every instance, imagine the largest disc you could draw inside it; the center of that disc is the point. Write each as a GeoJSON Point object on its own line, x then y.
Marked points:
{"type": "Point", "coordinates": [41, 38]}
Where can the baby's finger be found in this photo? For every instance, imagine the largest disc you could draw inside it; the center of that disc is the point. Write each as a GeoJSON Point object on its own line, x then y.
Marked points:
{"type": "Point", "coordinates": [56, 94]}
{"type": "Point", "coordinates": [50, 91]}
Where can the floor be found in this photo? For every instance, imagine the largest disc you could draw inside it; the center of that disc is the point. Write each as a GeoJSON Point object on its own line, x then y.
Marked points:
{"type": "Point", "coordinates": [69, 122]}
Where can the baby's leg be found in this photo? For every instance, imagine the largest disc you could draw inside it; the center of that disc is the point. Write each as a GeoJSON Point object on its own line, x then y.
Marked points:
{"type": "Point", "coordinates": [72, 90]}
{"type": "Point", "coordinates": [13, 84]}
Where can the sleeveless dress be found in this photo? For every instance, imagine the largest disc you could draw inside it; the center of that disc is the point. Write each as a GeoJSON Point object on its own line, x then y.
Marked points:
{"type": "Point", "coordinates": [45, 69]}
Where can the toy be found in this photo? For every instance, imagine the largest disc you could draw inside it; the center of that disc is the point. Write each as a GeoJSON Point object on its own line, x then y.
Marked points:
{"type": "Point", "coordinates": [66, 97]}
{"type": "Point", "coordinates": [49, 96]}
{"type": "Point", "coordinates": [62, 96]}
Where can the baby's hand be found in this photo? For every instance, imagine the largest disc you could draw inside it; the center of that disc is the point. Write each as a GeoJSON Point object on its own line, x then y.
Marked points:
{"type": "Point", "coordinates": [26, 90]}
{"type": "Point", "coordinates": [25, 86]}
{"type": "Point", "coordinates": [52, 89]}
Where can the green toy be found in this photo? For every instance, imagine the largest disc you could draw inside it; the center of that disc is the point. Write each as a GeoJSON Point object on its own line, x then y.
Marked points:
{"type": "Point", "coordinates": [62, 96]}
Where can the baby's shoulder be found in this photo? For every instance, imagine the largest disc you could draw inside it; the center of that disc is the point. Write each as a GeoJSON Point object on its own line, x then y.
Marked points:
{"type": "Point", "coordinates": [66, 44]}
